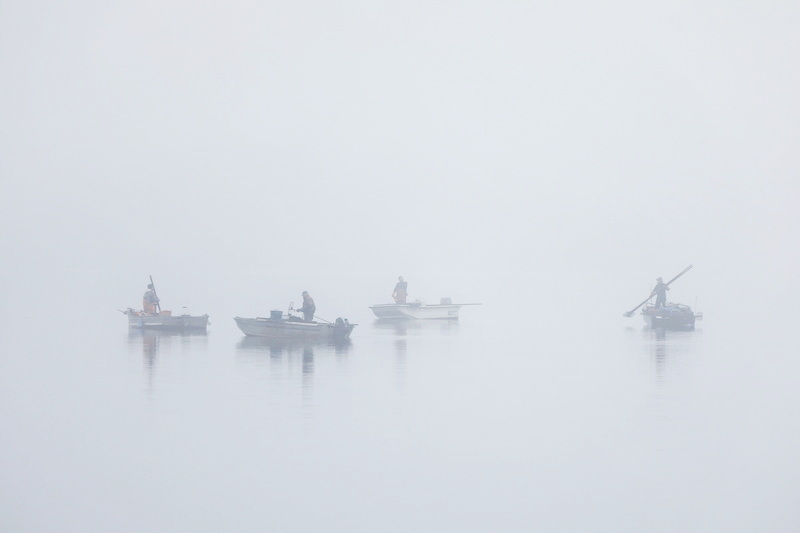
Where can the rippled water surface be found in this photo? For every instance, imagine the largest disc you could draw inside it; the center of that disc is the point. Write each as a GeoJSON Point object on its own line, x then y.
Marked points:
{"type": "Point", "coordinates": [488, 423]}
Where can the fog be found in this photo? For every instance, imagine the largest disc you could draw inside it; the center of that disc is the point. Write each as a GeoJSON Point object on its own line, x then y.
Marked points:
{"type": "Point", "coordinates": [208, 142]}
{"type": "Point", "coordinates": [539, 158]}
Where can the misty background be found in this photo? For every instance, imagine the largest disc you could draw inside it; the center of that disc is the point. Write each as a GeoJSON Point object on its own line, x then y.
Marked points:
{"type": "Point", "coordinates": [547, 159]}
{"type": "Point", "coordinates": [270, 148]}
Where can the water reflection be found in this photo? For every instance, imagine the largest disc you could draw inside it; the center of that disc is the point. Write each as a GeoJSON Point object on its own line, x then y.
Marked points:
{"type": "Point", "coordinates": [405, 332]}
{"type": "Point", "coordinates": [151, 343]}
{"type": "Point", "coordinates": [671, 355]}
{"type": "Point", "coordinates": [277, 347]}
{"type": "Point", "coordinates": [401, 348]}
{"type": "Point", "coordinates": [416, 327]}
{"type": "Point", "coordinates": [281, 357]}
{"type": "Point", "coordinates": [665, 347]}
{"type": "Point", "coordinates": [658, 353]}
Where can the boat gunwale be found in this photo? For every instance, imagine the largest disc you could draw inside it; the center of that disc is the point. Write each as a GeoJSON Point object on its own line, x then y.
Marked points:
{"type": "Point", "coordinates": [277, 328]}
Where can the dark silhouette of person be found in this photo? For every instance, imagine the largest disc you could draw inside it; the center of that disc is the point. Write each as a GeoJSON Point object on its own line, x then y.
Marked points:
{"type": "Point", "coordinates": [660, 292]}
{"type": "Point", "coordinates": [309, 308]}
{"type": "Point", "coordinates": [400, 291]}
{"type": "Point", "coordinates": [150, 300]}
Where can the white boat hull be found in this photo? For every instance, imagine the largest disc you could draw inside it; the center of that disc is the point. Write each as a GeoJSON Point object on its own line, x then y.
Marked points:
{"type": "Point", "coordinates": [288, 329]}
{"type": "Point", "coordinates": [416, 311]}
{"type": "Point", "coordinates": [141, 321]}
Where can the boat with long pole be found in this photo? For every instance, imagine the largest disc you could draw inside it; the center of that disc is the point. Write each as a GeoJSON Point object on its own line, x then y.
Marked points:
{"type": "Point", "coordinates": [164, 319]}
{"type": "Point", "coordinates": [669, 315]}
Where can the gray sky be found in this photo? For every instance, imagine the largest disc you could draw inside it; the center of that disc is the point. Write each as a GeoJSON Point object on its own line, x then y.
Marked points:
{"type": "Point", "coordinates": [548, 159]}
{"type": "Point", "coordinates": [351, 142]}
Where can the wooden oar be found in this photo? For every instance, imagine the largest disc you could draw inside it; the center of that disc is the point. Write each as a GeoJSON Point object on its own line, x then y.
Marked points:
{"type": "Point", "coordinates": [630, 313]}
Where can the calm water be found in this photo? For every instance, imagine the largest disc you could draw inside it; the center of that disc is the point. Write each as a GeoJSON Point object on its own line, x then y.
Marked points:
{"type": "Point", "coordinates": [565, 422]}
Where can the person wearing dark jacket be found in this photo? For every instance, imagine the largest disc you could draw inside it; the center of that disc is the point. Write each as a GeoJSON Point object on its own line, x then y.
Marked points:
{"type": "Point", "coordinates": [400, 291]}
{"type": "Point", "coordinates": [308, 308]}
{"type": "Point", "coordinates": [660, 292]}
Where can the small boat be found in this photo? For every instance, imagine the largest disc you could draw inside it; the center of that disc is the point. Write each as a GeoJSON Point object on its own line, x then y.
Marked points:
{"type": "Point", "coordinates": [278, 326]}
{"type": "Point", "coordinates": [165, 320]}
{"type": "Point", "coordinates": [419, 310]}
{"type": "Point", "coordinates": [156, 318]}
{"type": "Point", "coordinates": [670, 316]}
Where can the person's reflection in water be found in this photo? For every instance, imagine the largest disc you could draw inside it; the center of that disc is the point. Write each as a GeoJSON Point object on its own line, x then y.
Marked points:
{"type": "Point", "coordinates": [149, 348]}
{"type": "Point", "coordinates": [308, 379]}
{"type": "Point", "coordinates": [660, 355]}
{"type": "Point", "coordinates": [159, 343]}
{"type": "Point", "coordinates": [149, 351]}
{"type": "Point", "coordinates": [283, 356]}
{"type": "Point", "coordinates": [148, 342]}
{"type": "Point", "coordinates": [308, 363]}
{"type": "Point", "coordinates": [400, 350]}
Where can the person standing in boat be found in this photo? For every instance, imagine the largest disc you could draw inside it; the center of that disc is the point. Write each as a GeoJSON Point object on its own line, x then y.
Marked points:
{"type": "Point", "coordinates": [308, 308]}
{"type": "Point", "coordinates": [150, 300]}
{"type": "Point", "coordinates": [400, 291]}
{"type": "Point", "coordinates": [660, 292]}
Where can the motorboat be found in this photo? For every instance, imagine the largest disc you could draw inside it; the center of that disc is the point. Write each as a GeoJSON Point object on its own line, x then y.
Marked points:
{"type": "Point", "coordinates": [287, 327]}
{"type": "Point", "coordinates": [419, 310]}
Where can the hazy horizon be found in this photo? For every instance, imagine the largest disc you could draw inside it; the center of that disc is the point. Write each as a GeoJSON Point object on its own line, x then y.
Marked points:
{"type": "Point", "coordinates": [548, 160]}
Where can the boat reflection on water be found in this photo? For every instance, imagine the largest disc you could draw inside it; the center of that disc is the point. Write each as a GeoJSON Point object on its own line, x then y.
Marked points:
{"type": "Point", "coordinates": [280, 346]}
{"type": "Point", "coordinates": [152, 342]}
{"type": "Point", "coordinates": [280, 356]}
{"type": "Point", "coordinates": [658, 352]}
{"type": "Point", "coordinates": [667, 350]}
{"type": "Point", "coordinates": [417, 327]}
